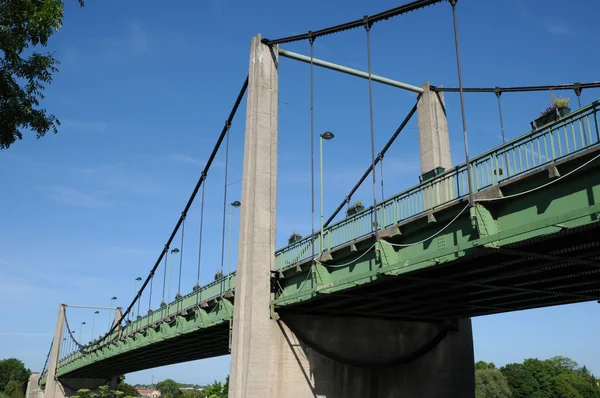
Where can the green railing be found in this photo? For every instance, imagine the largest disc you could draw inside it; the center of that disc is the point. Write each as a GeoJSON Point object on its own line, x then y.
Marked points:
{"type": "Point", "coordinates": [566, 136]}
{"type": "Point", "coordinates": [194, 299]}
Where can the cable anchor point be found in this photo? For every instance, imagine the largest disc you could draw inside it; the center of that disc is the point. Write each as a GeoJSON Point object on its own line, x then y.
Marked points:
{"type": "Point", "coordinates": [367, 23]}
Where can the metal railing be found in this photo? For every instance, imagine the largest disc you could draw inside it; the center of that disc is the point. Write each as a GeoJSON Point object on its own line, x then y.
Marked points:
{"type": "Point", "coordinates": [205, 293]}
{"type": "Point", "coordinates": [566, 136]}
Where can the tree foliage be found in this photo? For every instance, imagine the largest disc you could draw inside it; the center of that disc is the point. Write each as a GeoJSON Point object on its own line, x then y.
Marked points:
{"type": "Point", "coordinates": [215, 390]}
{"type": "Point", "coordinates": [25, 25]}
{"type": "Point", "coordinates": [169, 389]}
{"type": "Point", "coordinates": [103, 392]}
{"type": "Point", "coordinates": [557, 377]}
{"type": "Point", "coordinates": [13, 378]}
{"type": "Point", "coordinates": [127, 389]}
{"type": "Point", "coordinates": [490, 382]}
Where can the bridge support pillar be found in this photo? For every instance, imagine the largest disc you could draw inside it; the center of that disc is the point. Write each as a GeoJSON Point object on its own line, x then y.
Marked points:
{"type": "Point", "coordinates": [33, 387]}
{"type": "Point", "coordinates": [267, 358]}
{"type": "Point", "coordinates": [342, 357]}
{"type": "Point", "coordinates": [434, 141]}
{"type": "Point", "coordinates": [53, 389]}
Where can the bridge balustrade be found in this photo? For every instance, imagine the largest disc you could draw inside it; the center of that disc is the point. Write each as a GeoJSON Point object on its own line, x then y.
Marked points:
{"type": "Point", "coordinates": [571, 134]}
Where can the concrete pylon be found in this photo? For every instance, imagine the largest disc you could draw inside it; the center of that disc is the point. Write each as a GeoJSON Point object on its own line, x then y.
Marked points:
{"type": "Point", "coordinates": [274, 358]}
{"type": "Point", "coordinates": [253, 329]}
{"type": "Point", "coordinates": [116, 321]}
{"type": "Point", "coordinates": [434, 141]}
{"type": "Point", "coordinates": [53, 388]}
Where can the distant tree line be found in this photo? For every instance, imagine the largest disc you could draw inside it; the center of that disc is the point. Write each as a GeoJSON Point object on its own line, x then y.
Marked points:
{"type": "Point", "coordinates": [13, 378]}
{"type": "Point", "coordinates": [557, 377]}
{"type": "Point", "coordinates": [171, 389]}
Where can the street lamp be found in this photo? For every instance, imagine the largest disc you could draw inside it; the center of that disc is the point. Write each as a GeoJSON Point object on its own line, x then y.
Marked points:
{"type": "Point", "coordinates": [110, 306]}
{"type": "Point", "coordinates": [80, 329]}
{"type": "Point", "coordinates": [233, 204]}
{"type": "Point", "coordinates": [93, 323]}
{"type": "Point", "coordinates": [328, 135]}
{"type": "Point", "coordinates": [176, 250]}
{"type": "Point", "coordinates": [139, 278]}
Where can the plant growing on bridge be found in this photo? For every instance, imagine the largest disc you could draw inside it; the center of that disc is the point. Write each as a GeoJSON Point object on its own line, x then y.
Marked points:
{"type": "Point", "coordinates": [294, 237]}
{"type": "Point", "coordinates": [559, 107]}
{"type": "Point", "coordinates": [557, 103]}
{"type": "Point", "coordinates": [218, 275]}
{"type": "Point", "coordinates": [357, 207]}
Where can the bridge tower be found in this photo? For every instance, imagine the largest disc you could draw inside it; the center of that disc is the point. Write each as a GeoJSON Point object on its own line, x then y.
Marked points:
{"type": "Point", "coordinates": [64, 387]}
{"type": "Point", "coordinates": [267, 358]}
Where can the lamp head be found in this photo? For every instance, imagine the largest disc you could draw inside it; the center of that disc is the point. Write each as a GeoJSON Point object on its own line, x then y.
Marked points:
{"type": "Point", "coordinates": [327, 135]}
{"type": "Point", "coordinates": [139, 278]}
{"type": "Point", "coordinates": [176, 250]}
{"type": "Point", "coordinates": [97, 312]}
{"type": "Point", "coordinates": [114, 298]}
{"type": "Point", "coordinates": [236, 203]}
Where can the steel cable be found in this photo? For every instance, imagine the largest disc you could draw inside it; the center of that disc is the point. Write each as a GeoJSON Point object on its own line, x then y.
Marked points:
{"type": "Point", "coordinates": [187, 206]}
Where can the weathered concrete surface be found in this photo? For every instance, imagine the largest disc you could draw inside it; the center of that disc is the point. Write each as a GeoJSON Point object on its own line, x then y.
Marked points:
{"type": "Point", "coordinates": [33, 387]}
{"type": "Point", "coordinates": [69, 387]}
{"type": "Point", "coordinates": [251, 365]}
{"type": "Point", "coordinates": [52, 388]}
{"type": "Point", "coordinates": [419, 366]}
{"type": "Point", "coordinates": [434, 141]}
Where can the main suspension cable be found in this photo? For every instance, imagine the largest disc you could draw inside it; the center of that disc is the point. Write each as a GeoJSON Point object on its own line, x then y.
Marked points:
{"type": "Point", "coordinates": [186, 208]}
{"type": "Point", "coordinates": [555, 87]}
{"type": "Point", "coordinates": [403, 9]}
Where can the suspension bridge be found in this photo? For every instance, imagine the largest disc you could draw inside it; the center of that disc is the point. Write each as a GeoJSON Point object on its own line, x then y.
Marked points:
{"type": "Point", "coordinates": [377, 300]}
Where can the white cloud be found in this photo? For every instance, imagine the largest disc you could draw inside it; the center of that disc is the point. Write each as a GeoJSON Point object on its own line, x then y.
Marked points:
{"type": "Point", "coordinates": [558, 27]}
{"type": "Point", "coordinates": [187, 159]}
{"type": "Point", "coordinates": [74, 197]}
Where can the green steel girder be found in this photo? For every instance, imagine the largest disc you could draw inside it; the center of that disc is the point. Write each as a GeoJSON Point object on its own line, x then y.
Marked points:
{"type": "Point", "coordinates": [199, 319]}
{"type": "Point", "coordinates": [221, 311]}
{"type": "Point", "coordinates": [567, 204]}
{"type": "Point", "coordinates": [485, 223]}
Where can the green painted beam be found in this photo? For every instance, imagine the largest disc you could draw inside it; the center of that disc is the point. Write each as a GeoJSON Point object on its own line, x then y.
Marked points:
{"type": "Point", "coordinates": [571, 202]}
{"type": "Point", "coordinates": [183, 315]}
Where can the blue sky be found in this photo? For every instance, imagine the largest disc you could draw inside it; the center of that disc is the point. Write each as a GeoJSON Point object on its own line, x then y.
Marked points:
{"type": "Point", "coordinates": [144, 89]}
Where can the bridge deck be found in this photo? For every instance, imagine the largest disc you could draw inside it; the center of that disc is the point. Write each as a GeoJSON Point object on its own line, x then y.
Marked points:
{"type": "Point", "coordinates": [435, 261]}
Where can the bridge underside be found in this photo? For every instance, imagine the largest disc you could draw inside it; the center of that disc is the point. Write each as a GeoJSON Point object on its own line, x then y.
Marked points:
{"type": "Point", "coordinates": [199, 344]}
{"type": "Point", "coordinates": [544, 271]}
